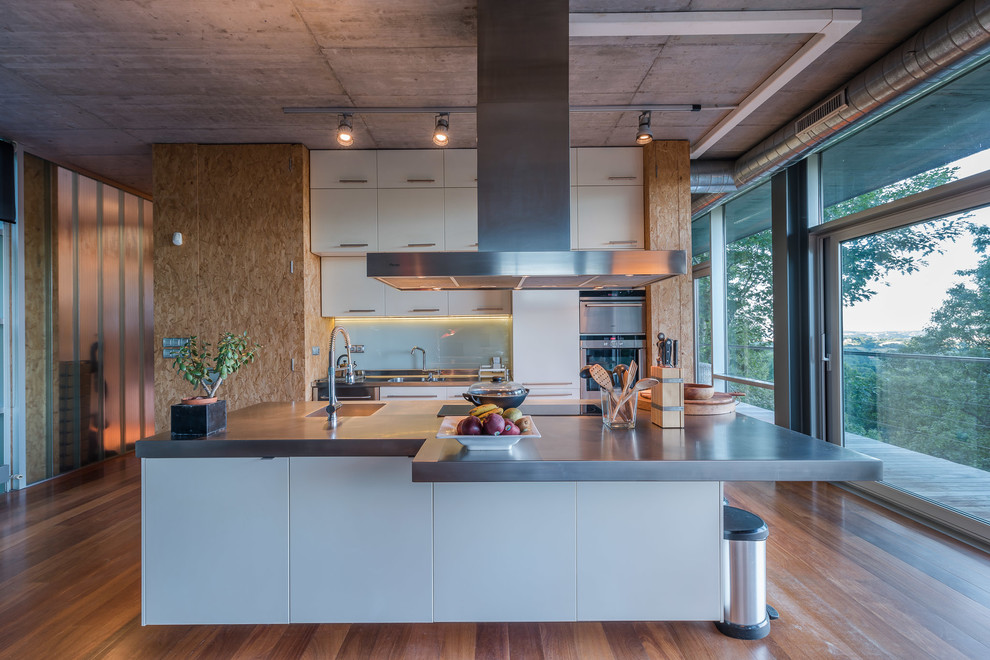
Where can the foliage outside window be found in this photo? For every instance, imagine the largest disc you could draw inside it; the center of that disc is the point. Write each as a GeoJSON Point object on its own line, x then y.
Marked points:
{"type": "Point", "coordinates": [749, 294]}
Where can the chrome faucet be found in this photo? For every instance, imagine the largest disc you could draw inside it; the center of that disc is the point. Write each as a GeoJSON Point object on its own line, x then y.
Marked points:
{"type": "Point", "coordinates": [332, 375]}
{"type": "Point", "coordinates": [423, 350]}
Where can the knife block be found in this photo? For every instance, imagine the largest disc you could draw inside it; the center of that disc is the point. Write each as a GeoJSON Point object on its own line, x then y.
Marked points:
{"type": "Point", "coordinates": [667, 398]}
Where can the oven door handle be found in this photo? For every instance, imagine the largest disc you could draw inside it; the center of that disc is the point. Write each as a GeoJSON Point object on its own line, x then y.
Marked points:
{"type": "Point", "coordinates": [627, 304]}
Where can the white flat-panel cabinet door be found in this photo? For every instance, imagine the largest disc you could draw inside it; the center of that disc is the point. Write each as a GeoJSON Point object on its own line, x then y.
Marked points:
{"type": "Point", "coordinates": [214, 548]}
{"type": "Point", "coordinates": [343, 221]}
{"type": "Point", "coordinates": [610, 166]}
{"type": "Point", "coordinates": [332, 168]}
{"type": "Point", "coordinates": [347, 290]}
{"type": "Point", "coordinates": [574, 218]}
{"type": "Point", "coordinates": [649, 551]}
{"type": "Point", "coordinates": [610, 217]}
{"type": "Point", "coordinates": [545, 342]}
{"type": "Point", "coordinates": [415, 303]}
{"type": "Point", "coordinates": [410, 220]}
{"type": "Point", "coordinates": [361, 541]}
{"type": "Point", "coordinates": [411, 168]}
{"type": "Point", "coordinates": [503, 552]}
{"type": "Point", "coordinates": [460, 219]}
{"type": "Point", "coordinates": [479, 302]}
{"type": "Point", "coordinates": [460, 168]}
{"type": "Point", "coordinates": [412, 392]}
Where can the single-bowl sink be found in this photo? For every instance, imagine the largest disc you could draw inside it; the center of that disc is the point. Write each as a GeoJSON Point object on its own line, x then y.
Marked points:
{"type": "Point", "coordinates": [350, 410]}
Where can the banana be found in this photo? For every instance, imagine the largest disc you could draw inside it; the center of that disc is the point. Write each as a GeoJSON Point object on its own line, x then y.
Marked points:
{"type": "Point", "coordinates": [483, 409]}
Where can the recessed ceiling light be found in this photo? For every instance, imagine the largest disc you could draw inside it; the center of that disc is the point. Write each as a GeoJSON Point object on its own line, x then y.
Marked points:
{"type": "Point", "coordinates": [345, 132]}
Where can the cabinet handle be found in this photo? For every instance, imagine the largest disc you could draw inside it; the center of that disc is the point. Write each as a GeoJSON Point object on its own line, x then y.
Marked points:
{"type": "Point", "coordinates": [615, 304]}
{"type": "Point", "coordinates": [433, 309]}
{"type": "Point", "coordinates": [420, 244]}
{"type": "Point", "coordinates": [557, 394]}
{"type": "Point", "coordinates": [473, 245]}
{"type": "Point", "coordinates": [622, 242]}
{"type": "Point", "coordinates": [548, 383]}
{"type": "Point", "coordinates": [358, 311]}
{"type": "Point", "coordinates": [353, 245]}
{"type": "Point", "coordinates": [622, 178]}
{"type": "Point", "coordinates": [349, 398]}
{"type": "Point", "coordinates": [412, 396]}
{"type": "Point", "coordinates": [475, 179]}
{"type": "Point", "coordinates": [421, 180]}
{"type": "Point", "coordinates": [352, 180]}
{"type": "Point", "coordinates": [487, 309]}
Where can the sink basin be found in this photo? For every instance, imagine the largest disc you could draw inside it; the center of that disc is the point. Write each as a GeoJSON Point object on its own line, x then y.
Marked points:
{"type": "Point", "coordinates": [350, 410]}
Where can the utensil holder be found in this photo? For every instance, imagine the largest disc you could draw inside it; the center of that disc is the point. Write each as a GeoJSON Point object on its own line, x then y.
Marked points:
{"type": "Point", "coordinates": [623, 417]}
{"type": "Point", "coordinates": [667, 398]}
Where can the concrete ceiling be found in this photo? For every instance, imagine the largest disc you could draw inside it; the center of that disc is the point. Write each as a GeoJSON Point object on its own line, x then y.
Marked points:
{"type": "Point", "coordinates": [92, 84]}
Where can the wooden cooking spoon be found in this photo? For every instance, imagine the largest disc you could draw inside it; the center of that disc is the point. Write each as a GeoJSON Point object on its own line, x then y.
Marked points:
{"type": "Point", "coordinates": [601, 376]}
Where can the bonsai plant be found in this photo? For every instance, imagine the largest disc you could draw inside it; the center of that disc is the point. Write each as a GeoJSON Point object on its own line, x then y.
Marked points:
{"type": "Point", "coordinates": [197, 365]}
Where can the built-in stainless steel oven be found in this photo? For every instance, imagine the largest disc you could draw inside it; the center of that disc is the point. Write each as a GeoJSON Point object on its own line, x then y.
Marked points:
{"type": "Point", "coordinates": [612, 330]}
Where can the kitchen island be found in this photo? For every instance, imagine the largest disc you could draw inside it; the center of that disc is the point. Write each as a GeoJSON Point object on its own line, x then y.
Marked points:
{"type": "Point", "coordinates": [283, 519]}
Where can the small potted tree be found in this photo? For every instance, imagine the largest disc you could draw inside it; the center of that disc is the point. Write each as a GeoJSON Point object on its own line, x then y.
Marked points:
{"type": "Point", "coordinates": [197, 416]}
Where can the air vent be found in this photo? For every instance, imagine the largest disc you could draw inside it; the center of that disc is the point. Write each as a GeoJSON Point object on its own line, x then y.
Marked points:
{"type": "Point", "coordinates": [824, 111]}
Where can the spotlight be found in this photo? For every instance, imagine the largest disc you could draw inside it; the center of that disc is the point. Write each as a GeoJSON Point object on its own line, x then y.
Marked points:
{"type": "Point", "coordinates": [440, 137]}
{"type": "Point", "coordinates": [644, 135]}
{"type": "Point", "coordinates": [345, 132]}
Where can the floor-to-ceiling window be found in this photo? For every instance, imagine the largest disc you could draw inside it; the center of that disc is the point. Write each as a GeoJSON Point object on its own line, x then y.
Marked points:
{"type": "Point", "coordinates": [702, 274]}
{"type": "Point", "coordinates": [749, 297]}
{"type": "Point", "coordinates": [906, 204]}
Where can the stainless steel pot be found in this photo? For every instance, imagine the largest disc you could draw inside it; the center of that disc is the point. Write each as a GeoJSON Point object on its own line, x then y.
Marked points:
{"type": "Point", "coordinates": [497, 391]}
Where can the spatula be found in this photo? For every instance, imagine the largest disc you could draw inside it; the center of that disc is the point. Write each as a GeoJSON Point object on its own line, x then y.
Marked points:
{"type": "Point", "coordinates": [602, 377]}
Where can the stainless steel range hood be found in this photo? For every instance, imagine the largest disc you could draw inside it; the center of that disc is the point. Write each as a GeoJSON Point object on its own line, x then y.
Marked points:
{"type": "Point", "coordinates": [524, 173]}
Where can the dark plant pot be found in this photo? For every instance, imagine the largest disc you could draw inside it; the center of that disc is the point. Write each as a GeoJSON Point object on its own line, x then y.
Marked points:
{"type": "Point", "coordinates": [196, 421]}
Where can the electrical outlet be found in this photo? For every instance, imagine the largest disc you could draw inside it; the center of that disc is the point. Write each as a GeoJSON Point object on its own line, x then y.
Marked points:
{"type": "Point", "coordinates": [316, 350]}
{"type": "Point", "coordinates": [357, 348]}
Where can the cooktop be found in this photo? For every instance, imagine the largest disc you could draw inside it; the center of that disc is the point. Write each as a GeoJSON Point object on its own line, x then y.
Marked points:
{"type": "Point", "coordinates": [537, 409]}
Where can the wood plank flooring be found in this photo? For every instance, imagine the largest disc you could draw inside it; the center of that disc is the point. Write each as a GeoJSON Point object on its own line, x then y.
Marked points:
{"type": "Point", "coordinates": [850, 580]}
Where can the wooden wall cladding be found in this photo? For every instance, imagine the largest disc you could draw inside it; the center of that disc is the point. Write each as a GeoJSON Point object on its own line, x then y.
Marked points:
{"type": "Point", "coordinates": [242, 265]}
{"type": "Point", "coordinates": [667, 191]}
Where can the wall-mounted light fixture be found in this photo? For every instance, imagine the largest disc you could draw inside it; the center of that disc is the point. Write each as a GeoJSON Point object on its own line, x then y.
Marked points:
{"type": "Point", "coordinates": [345, 132]}
{"type": "Point", "coordinates": [440, 136]}
{"type": "Point", "coordinates": [644, 135]}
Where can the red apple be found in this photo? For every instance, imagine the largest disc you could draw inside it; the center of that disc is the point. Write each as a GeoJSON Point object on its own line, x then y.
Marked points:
{"type": "Point", "coordinates": [494, 425]}
{"type": "Point", "coordinates": [510, 428]}
{"type": "Point", "coordinates": [470, 425]}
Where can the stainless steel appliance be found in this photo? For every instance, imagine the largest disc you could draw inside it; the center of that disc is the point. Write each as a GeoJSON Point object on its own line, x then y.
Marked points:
{"type": "Point", "coordinates": [613, 332]}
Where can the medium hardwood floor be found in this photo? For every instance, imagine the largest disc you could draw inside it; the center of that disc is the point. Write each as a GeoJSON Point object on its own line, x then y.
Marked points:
{"type": "Point", "coordinates": [850, 581]}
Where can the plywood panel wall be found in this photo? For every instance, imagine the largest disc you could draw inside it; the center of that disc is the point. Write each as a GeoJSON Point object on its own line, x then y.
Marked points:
{"type": "Point", "coordinates": [667, 188]}
{"type": "Point", "coordinates": [244, 265]}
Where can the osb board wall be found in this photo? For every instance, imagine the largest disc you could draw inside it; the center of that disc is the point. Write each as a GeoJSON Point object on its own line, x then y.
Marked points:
{"type": "Point", "coordinates": [242, 212]}
{"type": "Point", "coordinates": [39, 370]}
{"type": "Point", "coordinates": [667, 191]}
{"type": "Point", "coordinates": [318, 328]}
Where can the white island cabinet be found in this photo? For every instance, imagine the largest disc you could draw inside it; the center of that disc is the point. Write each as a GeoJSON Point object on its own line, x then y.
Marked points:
{"type": "Point", "coordinates": [361, 546]}
{"type": "Point", "coordinates": [504, 552]}
{"type": "Point", "coordinates": [214, 540]}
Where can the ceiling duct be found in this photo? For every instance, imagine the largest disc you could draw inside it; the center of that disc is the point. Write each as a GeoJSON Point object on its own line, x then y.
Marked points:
{"type": "Point", "coordinates": [524, 173]}
{"type": "Point", "coordinates": [950, 44]}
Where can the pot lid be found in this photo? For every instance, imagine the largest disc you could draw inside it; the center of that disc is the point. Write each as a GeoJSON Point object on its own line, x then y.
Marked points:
{"type": "Point", "coordinates": [497, 386]}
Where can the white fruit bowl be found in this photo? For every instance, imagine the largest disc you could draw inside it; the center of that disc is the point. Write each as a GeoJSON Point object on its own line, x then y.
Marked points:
{"type": "Point", "coordinates": [448, 429]}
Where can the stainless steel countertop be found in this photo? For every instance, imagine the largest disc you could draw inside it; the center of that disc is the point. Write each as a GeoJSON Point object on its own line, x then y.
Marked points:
{"type": "Point", "coordinates": [730, 447]}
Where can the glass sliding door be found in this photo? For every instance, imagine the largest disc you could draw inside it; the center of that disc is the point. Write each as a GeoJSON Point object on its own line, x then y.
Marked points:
{"type": "Point", "coordinates": [915, 357]}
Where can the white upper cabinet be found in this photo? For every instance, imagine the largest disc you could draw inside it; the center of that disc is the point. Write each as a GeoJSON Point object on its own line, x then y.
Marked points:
{"type": "Point", "coordinates": [473, 303]}
{"type": "Point", "coordinates": [414, 168]}
{"type": "Point", "coordinates": [574, 218]}
{"type": "Point", "coordinates": [343, 169]}
{"type": "Point", "coordinates": [573, 160]}
{"type": "Point", "coordinates": [610, 166]}
{"type": "Point", "coordinates": [343, 221]}
{"type": "Point", "coordinates": [460, 219]}
{"type": "Point", "coordinates": [410, 220]}
{"type": "Point", "coordinates": [415, 303]}
{"type": "Point", "coordinates": [460, 168]}
{"type": "Point", "coordinates": [610, 217]}
{"type": "Point", "coordinates": [347, 290]}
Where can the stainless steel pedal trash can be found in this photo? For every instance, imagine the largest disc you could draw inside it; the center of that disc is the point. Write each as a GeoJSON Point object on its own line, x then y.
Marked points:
{"type": "Point", "coordinates": [745, 614]}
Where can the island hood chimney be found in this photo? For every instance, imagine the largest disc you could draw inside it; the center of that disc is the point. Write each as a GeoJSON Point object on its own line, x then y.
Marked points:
{"type": "Point", "coordinates": [524, 173]}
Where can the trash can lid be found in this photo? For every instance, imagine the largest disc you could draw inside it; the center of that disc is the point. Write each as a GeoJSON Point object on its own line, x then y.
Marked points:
{"type": "Point", "coordinates": [740, 525]}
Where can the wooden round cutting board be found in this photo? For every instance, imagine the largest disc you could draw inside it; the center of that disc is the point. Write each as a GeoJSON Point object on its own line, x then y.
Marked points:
{"type": "Point", "coordinates": [719, 404]}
